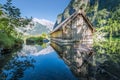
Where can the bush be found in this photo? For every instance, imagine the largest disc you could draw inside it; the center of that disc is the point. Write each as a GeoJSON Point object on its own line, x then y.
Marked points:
{"type": "Point", "coordinates": [6, 41]}
{"type": "Point", "coordinates": [34, 40]}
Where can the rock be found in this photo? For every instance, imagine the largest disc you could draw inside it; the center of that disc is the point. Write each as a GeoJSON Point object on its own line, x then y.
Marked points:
{"type": "Point", "coordinates": [45, 40]}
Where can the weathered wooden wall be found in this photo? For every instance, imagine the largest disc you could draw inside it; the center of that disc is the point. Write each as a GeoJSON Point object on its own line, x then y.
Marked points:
{"type": "Point", "coordinates": [77, 29]}
{"type": "Point", "coordinates": [57, 34]}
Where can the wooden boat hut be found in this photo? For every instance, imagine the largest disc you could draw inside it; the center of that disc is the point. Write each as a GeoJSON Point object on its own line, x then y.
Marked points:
{"type": "Point", "coordinates": [75, 28]}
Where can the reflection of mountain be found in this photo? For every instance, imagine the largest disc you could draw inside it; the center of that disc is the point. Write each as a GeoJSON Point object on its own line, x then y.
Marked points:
{"type": "Point", "coordinates": [35, 50]}
{"type": "Point", "coordinates": [30, 49]}
{"type": "Point", "coordinates": [12, 66]}
{"type": "Point", "coordinates": [36, 27]}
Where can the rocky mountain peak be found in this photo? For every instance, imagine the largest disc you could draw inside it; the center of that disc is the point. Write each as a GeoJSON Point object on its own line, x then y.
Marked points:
{"type": "Point", "coordinates": [44, 22]}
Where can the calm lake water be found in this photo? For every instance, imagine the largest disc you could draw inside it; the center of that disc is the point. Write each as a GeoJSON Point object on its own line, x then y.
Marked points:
{"type": "Point", "coordinates": [34, 62]}
{"type": "Point", "coordinates": [73, 61]}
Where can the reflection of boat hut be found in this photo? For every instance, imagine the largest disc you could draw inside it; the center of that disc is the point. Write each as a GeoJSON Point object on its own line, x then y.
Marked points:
{"type": "Point", "coordinates": [75, 28]}
{"type": "Point", "coordinates": [76, 57]}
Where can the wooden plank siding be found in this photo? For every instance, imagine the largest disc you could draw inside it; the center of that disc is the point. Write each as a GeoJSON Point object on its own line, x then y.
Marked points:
{"type": "Point", "coordinates": [77, 27]}
{"type": "Point", "coordinates": [57, 34]}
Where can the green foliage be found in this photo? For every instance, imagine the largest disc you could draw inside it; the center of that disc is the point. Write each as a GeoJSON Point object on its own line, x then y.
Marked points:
{"type": "Point", "coordinates": [11, 10]}
{"type": "Point", "coordinates": [107, 55]}
{"type": "Point", "coordinates": [110, 46]}
{"type": "Point", "coordinates": [44, 35]}
{"type": "Point", "coordinates": [105, 20]}
{"type": "Point", "coordinates": [34, 40]}
{"type": "Point", "coordinates": [112, 27]}
{"type": "Point", "coordinates": [6, 41]}
{"type": "Point", "coordinates": [10, 19]}
{"type": "Point", "coordinates": [44, 45]}
{"type": "Point", "coordinates": [37, 39]}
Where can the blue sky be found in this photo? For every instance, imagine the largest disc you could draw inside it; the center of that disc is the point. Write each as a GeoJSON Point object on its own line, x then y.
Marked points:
{"type": "Point", "coordinates": [42, 9]}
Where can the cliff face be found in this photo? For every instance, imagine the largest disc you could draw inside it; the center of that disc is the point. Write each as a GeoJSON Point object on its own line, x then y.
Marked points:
{"type": "Point", "coordinates": [70, 9]}
{"type": "Point", "coordinates": [95, 9]}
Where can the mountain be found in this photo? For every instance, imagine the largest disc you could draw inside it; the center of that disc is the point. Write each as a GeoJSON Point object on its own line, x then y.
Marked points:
{"type": "Point", "coordinates": [36, 27]}
{"type": "Point", "coordinates": [96, 10]}
{"type": "Point", "coordinates": [44, 22]}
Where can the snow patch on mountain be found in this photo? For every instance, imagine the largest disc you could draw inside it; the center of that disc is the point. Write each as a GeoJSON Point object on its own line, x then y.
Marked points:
{"type": "Point", "coordinates": [44, 22]}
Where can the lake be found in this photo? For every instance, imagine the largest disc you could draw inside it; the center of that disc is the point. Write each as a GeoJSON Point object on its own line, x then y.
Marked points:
{"type": "Point", "coordinates": [73, 61]}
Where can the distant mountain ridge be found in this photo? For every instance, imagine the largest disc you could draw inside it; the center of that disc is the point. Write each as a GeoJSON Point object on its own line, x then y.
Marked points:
{"type": "Point", "coordinates": [47, 23]}
{"type": "Point", "coordinates": [37, 27]}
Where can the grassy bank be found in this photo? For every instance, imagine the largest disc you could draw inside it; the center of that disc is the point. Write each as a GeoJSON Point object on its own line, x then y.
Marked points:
{"type": "Point", "coordinates": [34, 40]}
{"type": "Point", "coordinates": [37, 39]}
{"type": "Point", "coordinates": [9, 42]}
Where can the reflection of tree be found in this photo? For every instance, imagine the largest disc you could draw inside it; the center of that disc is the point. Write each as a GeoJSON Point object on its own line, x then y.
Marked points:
{"type": "Point", "coordinates": [15, 68]}
{"type": "Point", "coordinates": [44, 45]}
{"type": "Point", "coordinates": [107, 60]}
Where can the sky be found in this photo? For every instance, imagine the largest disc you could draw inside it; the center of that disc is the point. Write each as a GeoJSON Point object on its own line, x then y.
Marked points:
{"type": "Point", "coordinates": [41, 9]}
